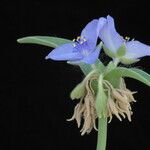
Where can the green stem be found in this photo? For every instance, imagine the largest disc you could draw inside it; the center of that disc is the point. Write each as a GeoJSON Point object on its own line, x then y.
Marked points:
{"type": "Point", "coordinates": [102, 134]}
{"type": "Point", "coordinates": [102, 129]}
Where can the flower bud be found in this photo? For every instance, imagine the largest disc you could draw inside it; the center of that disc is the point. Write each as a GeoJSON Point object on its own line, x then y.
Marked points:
{"type": "Point", "coordinates": [78, 92]}
{"type": "Point", "coordinates": [101, 100]}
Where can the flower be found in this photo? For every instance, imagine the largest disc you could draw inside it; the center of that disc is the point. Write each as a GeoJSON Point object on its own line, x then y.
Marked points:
{"type": "Point", "coordinates": [83, 49]}
{"type": "Point", "coordinates": [131, 50]}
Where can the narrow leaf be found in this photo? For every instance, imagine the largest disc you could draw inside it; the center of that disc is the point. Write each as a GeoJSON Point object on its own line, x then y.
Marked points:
{"type": "Point", "coordinates": [131, 73]}
{"type": "Point", "coordinates": [142, 73]}
{"type": "Point", "coordinates": [44, 40]}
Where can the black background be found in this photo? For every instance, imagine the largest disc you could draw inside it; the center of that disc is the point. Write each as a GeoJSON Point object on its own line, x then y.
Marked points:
{"type": "Point", "coordinates": [34, 92]}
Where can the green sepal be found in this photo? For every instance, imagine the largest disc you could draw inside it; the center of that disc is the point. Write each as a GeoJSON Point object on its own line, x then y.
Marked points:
{"type": "Point", "coordinates": [109, 67]}
{"type": "Point", "coordinates": [115, 81]}
{"type": "Point", "coordinates": [128, 72]}
{"type": "Point", "coordinates": [127, 61]}
{"type": "Point", "coordinates": [101, 99]}
{"type": "Point", "coordinates": [99, 66]}
{"type": "Point", "coordinates": [121, 51]}
{"type": "Point", "coordinates": [109, 52]}
{"type": "Point", "coordinates": [78, 92]}
{"type": "Point", "coordinates": [86, 68]}
{"type": "Point", "coordinates": [44, 40]}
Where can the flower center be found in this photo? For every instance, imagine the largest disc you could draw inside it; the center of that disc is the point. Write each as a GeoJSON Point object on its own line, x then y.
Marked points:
{"type": "Point", "coordinates": [80, 44]}
{"type": "Point", "coordinates": [128, 39]}
{"type": "Point", "coordinates": [79, 40]}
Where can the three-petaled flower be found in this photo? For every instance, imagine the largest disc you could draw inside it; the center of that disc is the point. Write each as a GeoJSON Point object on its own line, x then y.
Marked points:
{"type": "Point", "coordinates": [133, 50]}
{"type": "Point", "coordinates": [83, 49]}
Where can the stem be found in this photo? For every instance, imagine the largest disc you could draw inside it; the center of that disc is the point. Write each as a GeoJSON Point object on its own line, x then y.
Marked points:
{"type": "Point", "coordinates": [116, 61]}
{"type": "Point", "coordinates": [102, 134]}
{"type": "Point", "coordinates": [93, 66]}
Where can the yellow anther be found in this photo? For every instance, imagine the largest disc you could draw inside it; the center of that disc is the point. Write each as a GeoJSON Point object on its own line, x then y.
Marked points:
{"type": "Point", "coordinates": [79, 37]}
{"type": "Point", "coordinates": [74, 40]}
{"type": "Point", "coordinates": [127, 38]}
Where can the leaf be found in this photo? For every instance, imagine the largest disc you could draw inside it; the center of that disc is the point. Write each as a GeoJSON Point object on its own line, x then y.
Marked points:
{"type": "Point", "coordinates": [44, 40]}
{"type": "Point", "coordinates": [142, 73]}
{"type": "Point", "coordinates": [128, 72]}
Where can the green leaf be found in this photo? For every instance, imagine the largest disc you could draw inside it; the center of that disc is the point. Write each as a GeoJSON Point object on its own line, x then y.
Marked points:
{"type": "Point", "coordinates": [101, 99]}
{"type": "Point", "coordinates": [128, 72]}
{"type": "Point", "coordinates": [44, 40]}
{"type": "Point", "coordinates": [142, 73]}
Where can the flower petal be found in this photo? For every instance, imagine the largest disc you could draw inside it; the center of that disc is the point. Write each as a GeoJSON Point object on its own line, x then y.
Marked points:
{"type": "Point", "coordinates": [109, 35]}
{"type": "Point", "coordinates": [91, 58]}
{"type": "Point", "coordinates": [136, 49]}
{"type": "Point", "coordinates": [90, 33]}
{"type": "Point", "coordinates": [101, 22]}
{"type": "Point", "coordinates": [64, 52]}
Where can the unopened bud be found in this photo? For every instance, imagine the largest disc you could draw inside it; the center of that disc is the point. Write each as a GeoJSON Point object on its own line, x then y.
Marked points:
{"type": "Point", "coordinates": [78, 92]}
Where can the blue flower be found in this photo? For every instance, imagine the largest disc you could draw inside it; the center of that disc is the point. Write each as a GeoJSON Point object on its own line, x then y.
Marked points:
{"type": "Point", "coordinates": [113, 42]}
{"type": "Point", "coordinates": [83, 49]}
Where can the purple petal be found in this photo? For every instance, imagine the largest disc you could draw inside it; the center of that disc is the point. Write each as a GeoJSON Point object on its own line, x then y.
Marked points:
{"type": "Point", "coordinates": [109, 35]}
{"type": "Point", "coordinates": [90, 33]}
{"type": "Point", "coordinates": [101, 22]}
{"type": "Point", "coordinates": [64, 52]}
{"type": "Point", "coordinates": [136, 49]}
{"type": "Point", "coordinates": [91, 58]}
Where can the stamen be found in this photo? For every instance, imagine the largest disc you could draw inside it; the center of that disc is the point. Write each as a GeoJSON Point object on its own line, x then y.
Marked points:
{"type": "Point", "coordinates": [127, 38]}
{"type": "Point", "coordinates": [74, 45]}
{"type": "Point", "coordinates": [78, 38]}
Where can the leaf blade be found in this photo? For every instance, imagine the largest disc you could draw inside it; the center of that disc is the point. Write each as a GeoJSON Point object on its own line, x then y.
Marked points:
{"type": "Point", "coordinates": [44, 40]}
{"type": "Point", "coordinates": [131, 73]}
